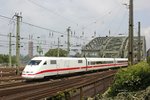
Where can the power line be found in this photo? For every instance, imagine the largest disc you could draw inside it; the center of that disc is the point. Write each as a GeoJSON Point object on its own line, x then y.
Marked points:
{"type": "Point", "coordinates": [72, 36]}
{"type": "Point", "coordinates": [34, 25]}
{"type": "Point", "coordinates": [51, 11]}
{"type": "Point", "coordinates": [4, 35]}
{"type": "Point", "coordinates": [77, 37]}
{"type": "Point", "coordinates": [38, 26]}
{"type": "Point", "coordinates": [119, 26]}
{"type": "Point", "coordinates": [97, 20]}
{"type": "Point", "coordinates": [5, 17]}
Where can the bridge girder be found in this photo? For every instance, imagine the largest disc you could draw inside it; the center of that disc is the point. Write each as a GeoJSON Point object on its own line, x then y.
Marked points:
{"type": "Point", "coordinates": [116, 47]}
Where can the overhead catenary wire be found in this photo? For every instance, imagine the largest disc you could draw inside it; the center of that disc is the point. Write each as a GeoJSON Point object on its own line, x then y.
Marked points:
{"type": "Point", "coordinates": [33, 25]}
{"type": "Point", "coordinates": [51, 30]}
{"type": "Point", "coordinates": [78, 37]}
{"type": "Point", "coordinates": [51, 11]}
{"type": "Point", "coordinates": [121, 21]}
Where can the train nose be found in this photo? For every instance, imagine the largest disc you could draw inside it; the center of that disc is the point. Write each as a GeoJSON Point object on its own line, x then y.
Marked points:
{"type": "Point", "coordinates": [28, 74]}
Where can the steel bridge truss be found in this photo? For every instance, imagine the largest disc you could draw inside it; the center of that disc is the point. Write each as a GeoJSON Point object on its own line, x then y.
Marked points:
{"type": "Point", "coordinates": [116, 47]}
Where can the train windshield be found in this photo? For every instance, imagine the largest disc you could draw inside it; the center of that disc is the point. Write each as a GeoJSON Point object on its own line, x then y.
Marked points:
{"type": "Point", "coordinates": [34, 62]}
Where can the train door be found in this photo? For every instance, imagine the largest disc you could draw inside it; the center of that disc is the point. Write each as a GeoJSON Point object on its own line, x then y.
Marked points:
{"type": "Point", "coordinates": [60, 66]}
{"type": "Point", "coordinates": [67, 66]}
{"type": "Point", "coordinates": [63, 66]}
{"type": "Point", "coordinates": [48, 68]}
{"type": "Point", "coordinates": [115, 62]}
{"type": "Point", "coordinates": [53, 67]}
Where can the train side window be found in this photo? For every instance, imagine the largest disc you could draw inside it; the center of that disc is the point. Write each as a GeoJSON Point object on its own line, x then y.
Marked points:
{"type": "Point", "coordinates": [88, 63]}
{"type": "Point", "coordinates": [98, 62]}
{"type": "Point", "coordinates": [79, 61]}
{"type": "Point", "coordinates": [105, 62]}
{"type": "Point", "coordinates": [53, 62]}
{"type": "Point", "coordinates": [93, 63]}
{"type": "Point", "coordinates": [121, 61]}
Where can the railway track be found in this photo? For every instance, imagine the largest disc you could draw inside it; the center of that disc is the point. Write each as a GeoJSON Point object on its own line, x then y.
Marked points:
{"type": "Point", "coordinates": [49, 88]}
{"type": "Point", "coordinates": [5, 79]}
{"type": "Point", "coordinates": [12, 84]}
{"type": "Point", "coordinates": [8, 75]}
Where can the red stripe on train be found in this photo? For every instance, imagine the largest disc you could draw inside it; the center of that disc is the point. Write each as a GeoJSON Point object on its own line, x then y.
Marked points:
{"type": "Point", "coordinates": [76, 68]}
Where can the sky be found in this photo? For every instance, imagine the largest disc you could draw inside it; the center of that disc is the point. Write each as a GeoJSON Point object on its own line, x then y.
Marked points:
{"type": "Point", "coordinates": [87, 19]}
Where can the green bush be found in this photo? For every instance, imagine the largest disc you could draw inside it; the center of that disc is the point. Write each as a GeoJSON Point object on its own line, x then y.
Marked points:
{"type": "Point", "coordinates": [133, 78]}
{"type": "Point", "coordinates": [148, 60]}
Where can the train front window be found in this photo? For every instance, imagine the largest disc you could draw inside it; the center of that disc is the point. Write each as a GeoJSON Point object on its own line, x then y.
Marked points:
{"type": "Point", "coordinates": [34, 62]}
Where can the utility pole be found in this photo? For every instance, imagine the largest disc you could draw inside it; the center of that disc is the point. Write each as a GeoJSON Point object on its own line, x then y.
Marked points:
{"type": "Point", "coordinates": [10, 61]}
{"type": "Point", "coordinates": [130, 37]}
{"type": "Point", "coordinates": [39, 48]}
{"type": "Point", "coordinates": [30, 47]}
{"type": "Point", "coordinates": [18, 40]}
{"type": "Point", "coordinates": [58, 49]}
{"type": "Point", "coordinates": [68, 41]}
{"type": "Point", "coordinates": [139, 42]}
{"type": "Point", "coordinates": [109, 33]}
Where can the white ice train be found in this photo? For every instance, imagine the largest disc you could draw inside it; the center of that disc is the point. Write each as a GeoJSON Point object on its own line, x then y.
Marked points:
{"type": "Point", "coordinates": [40, 67]}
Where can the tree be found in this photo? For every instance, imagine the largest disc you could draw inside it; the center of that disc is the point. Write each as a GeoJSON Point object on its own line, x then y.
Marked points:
{"type": "Point", "coordinates": [4, 59]}
{"type": "Point", "coordinates": [148, 60]}
{"type": "Point", "coordinates": [54, 53]}
{"type": "Point", "coordinates": [25, 59]}
{"type": "Point", "coordinates": [77, 54]}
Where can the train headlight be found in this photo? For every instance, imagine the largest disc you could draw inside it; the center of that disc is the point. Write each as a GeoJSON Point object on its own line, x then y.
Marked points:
{"type": "Point", "coordinates": [27, 72]}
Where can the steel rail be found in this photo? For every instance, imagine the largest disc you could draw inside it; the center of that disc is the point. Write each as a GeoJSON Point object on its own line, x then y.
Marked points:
{"type": "Point", "coordinates": [44, 89]}
{"type": "Point", "coordinates": [40, 93]}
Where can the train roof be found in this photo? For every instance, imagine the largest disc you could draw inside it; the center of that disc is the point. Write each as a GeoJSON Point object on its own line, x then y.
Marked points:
{"type": "Point", "coordinates": [75, 58]}
{"type": "Point", "coordinates": [41, 58]}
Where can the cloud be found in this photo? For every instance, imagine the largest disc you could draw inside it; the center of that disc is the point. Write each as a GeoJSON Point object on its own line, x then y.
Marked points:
{"type": "Point", "coordinates": [141, 5]}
